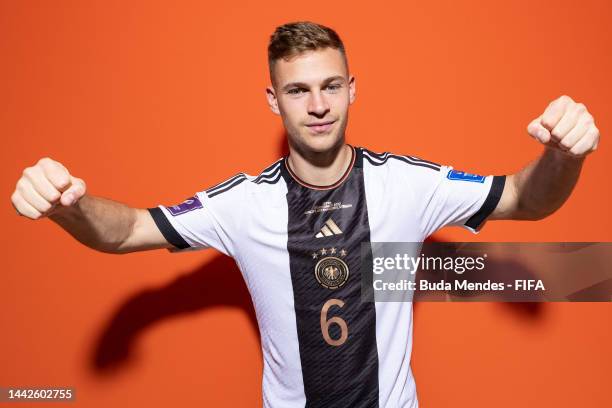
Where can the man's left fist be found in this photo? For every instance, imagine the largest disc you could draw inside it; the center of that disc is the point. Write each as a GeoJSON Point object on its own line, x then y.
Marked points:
{"type": "Point", "coordinates": [567, 126]}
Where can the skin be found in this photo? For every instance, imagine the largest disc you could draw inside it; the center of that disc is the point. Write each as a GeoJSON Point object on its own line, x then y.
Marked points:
{"type": "Point", "coordinates": [312, 87]}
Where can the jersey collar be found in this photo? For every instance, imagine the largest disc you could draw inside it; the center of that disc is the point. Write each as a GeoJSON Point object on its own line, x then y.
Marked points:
{"type": "Point", "coordinates": [327, 187]}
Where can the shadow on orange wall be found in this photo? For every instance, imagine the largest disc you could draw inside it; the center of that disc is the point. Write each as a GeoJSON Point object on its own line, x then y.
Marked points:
{"type": "Point", "coordinates": [187, 294]}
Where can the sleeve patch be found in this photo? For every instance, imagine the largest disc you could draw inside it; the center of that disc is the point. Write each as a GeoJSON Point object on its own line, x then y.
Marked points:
{"type": "Point", "coordinates": [463, 176]}
{"type": "Point", "coordinates": [190, 204]}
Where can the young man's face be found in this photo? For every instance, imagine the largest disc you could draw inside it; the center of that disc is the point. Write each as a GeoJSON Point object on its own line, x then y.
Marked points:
{"type": "Point", "coordinates": [312, 92]}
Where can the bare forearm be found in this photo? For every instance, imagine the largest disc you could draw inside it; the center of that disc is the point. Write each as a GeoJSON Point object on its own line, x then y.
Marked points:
{"type": "Point", "coordinates": [97, 222]}
{"type": "Point", "coordinates": [545, 184]}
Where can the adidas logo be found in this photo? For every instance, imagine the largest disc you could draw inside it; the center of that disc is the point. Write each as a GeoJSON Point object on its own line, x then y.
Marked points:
{"type": "Point", "coordinates": [329, 228]}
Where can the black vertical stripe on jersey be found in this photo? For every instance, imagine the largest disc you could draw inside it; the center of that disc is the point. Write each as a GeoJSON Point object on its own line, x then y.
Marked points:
{"type": "Point", "coordinates": [334, 376]}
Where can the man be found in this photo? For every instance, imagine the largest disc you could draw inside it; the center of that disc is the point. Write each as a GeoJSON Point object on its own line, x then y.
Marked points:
{"type": "Point", "coordinates": [295, 229]}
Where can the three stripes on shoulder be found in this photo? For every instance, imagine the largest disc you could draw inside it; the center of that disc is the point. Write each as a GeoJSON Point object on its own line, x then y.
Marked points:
{"type": "Point", "coordinates": [270, 175]}
{"type": "Point", "coordinates": [378, 159]}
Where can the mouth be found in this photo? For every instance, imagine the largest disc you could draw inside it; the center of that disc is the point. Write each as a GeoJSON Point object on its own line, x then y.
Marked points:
{"type": "Point", "coordinates": [321, 127]}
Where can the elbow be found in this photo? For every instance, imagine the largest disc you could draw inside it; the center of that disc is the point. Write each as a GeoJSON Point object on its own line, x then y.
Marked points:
{"type": "Point", "coordinates": [122, 244]}
{"type": "Point", "coordinates": [530, 214]}
{"type": "Point", "coordinates": [115, 250]}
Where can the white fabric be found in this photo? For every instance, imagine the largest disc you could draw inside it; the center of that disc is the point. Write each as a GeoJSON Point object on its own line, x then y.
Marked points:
{"type": "Point", "coordinates": [406, 203]}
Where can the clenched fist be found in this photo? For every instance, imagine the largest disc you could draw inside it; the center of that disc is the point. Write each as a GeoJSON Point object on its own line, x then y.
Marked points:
{"type": "Point", "coordinates": [567, 126]}
{"type": "Point", "coordinates": [45, 186]}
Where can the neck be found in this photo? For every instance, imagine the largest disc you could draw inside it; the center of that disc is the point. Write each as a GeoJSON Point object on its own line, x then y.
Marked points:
{"type": "Point", "coordinates": [320, 168]}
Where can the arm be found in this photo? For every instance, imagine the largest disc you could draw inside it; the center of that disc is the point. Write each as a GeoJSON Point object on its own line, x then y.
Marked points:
{"type": "Point", "coordinates": [48, 190]}
{"type": "Point", "coordinates": [569, 134]}
{"type": "Point", "coordinates": [109, 226]}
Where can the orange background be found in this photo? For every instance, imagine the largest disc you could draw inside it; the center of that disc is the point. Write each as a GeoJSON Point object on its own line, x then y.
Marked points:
{"type": "Point", "coordinates": [149, 102]}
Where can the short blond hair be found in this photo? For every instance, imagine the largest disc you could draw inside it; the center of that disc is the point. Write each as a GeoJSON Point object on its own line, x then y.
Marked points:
{"type": "Point", "coordinates": [295, 38]}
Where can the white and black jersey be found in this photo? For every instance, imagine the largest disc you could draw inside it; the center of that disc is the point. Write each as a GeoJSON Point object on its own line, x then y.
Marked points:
{"type": "Point", "coordinates": [298, 248]}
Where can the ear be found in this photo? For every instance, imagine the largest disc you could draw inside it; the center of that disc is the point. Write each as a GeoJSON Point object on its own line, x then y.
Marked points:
{"type": "Point", "coordinates": [272, 101]}
{"type": "Point", "coordinates": [351, 89]}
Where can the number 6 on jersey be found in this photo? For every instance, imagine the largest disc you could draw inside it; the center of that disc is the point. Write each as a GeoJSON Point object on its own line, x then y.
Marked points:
{"type": "Point", "coordinates": [326, 323]}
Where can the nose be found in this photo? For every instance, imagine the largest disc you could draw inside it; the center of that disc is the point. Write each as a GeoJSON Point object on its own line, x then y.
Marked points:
{"type": "Point", "coordinates": [317, 104]}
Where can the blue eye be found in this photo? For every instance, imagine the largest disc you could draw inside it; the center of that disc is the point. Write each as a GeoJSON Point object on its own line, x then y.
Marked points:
{"type": "Point", "coordinates": [298, 91]}
{"type": "Point", "coordinates": [295, 91]}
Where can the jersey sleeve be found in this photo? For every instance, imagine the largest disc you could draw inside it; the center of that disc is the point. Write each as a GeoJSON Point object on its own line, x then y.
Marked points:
{"type": "Point", "coordinates": [193, 224]}
{"type": "Point", "coordinates": [458, 198]}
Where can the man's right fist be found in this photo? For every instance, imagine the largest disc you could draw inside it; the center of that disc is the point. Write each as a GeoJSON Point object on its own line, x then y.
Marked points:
{"type": "Point", "coordinates": [45, 186]}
